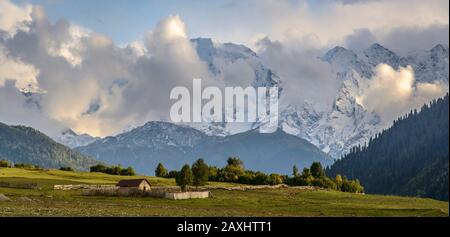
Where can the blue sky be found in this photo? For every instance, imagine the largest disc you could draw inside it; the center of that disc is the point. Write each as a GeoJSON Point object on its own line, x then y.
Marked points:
{"type": "Point", "coordinates": [126, 20]}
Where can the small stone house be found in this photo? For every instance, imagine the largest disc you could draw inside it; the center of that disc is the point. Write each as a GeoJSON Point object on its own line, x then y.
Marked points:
{"type": "Point", "coordinates": [128, 185]}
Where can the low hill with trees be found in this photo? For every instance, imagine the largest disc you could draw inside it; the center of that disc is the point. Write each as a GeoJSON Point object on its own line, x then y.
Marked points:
{"type": "Point", "coordinates": [20, 144]}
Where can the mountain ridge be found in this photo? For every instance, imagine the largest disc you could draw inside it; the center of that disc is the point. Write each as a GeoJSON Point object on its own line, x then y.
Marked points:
{"type": "Point", "coordinates": [175, 145]}
{"type": "Point", "coordinates": [21, 144]}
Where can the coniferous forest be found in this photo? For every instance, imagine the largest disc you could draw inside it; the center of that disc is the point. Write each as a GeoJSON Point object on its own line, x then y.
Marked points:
{"type": "Point", "coordinates": [410, 158]}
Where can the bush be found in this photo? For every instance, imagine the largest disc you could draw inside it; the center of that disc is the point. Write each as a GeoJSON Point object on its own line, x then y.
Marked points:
{"type": "Point", "coordinates": [4, 164]}
{"type": "Point", "coordinates": [324, 182]}
{"type": "Point", "coordinates": [352, 186]}
{"type": "Point", "coordinates": [275, 179]}
{"type": "Point", "coordinates": [231, 172]}
{"type": "Point", "coordinates": [172, 174]}
{"type": "Point", "coordinates": [113, 170]}
{"type": "Point", "coordinates": [66, 169]}
{"type": "Point", "coordinates": [25, 166]}
{"type": "Point", "coordinates": [212, 173]}
{"type": "Point", "coordinates": [128, 171]}
{"type": "Point", "coordinates": [98, 168]}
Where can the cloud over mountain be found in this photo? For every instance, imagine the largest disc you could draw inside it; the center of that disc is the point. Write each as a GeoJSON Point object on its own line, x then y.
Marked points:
{"type": "Point", "coordinates": [82, 79]}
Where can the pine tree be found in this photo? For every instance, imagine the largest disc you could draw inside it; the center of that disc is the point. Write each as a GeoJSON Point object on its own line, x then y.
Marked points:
{"type": "Point", "coordinates": [184, 177]}
{"type": "Point", "coordinates": [200, 170]}
{"type": "Point", "coordinates": [295, 171]}
{"type": "Point", "coordinates": [160, 171]}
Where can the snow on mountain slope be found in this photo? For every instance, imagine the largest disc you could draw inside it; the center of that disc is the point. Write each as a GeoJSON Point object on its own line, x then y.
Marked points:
{"type": "Point", "coordinates": [71, 139]}
{"type": "Point", "coordinates": [344, 124]}
{"type": "Point", "coordinates": [214, 53]}
{"type": "Point", "coordinates": [431, 65]}
{"type": "Point", "coordinates": [347, 123]}
{"type": "Point", "coordinates": [220, 56]}
{"type": "Point", "coordinates": [335, 129]}
{"type": "Point", "coordinates": [377, 54]}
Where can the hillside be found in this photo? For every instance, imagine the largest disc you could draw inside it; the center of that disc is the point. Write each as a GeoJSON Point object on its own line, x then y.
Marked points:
{"type": "Point", "coordinates": [263, 202]}
{"type": "Point", "coordinates": [20, 144]}
{"type": "Point", "coordinates": [410, 158]}
{"type": "Point", "coordinates": [173, 145]}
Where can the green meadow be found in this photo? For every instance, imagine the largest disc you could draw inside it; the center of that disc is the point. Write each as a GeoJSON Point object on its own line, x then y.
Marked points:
{"type": "Point", "coordinates": [44, 201]}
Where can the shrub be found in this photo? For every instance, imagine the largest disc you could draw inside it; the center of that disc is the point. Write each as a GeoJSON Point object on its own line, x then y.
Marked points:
{"type": "Point", "coordinates": [324, 182]}
{"type": "Point", "coordinates": [275, 179]}
{"type": "Point", "coordinates": [352, 186]}
{"type": "Point", "coordinates": [25, 166]}
{"type": "Point", "coordinates": [4, 164]}
{"type": "Point", "coordinates": [98, 168]}
{"type": "Point", "coordinates": [113, 170]}
{"type": "Point", "coordinates": [212, 173]}
{"type": "Point", "coordinates": [172, 174]}
{"type": "Point", "coordinates": [66, 168]}
{"type": "Point", "coordinates": [128, 171]}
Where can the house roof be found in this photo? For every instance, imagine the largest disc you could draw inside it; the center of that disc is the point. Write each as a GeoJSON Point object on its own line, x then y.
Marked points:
{"type": "Point", "coordinates": [131, 182]}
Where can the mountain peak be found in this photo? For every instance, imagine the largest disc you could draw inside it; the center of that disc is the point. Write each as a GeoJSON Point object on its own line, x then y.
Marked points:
{"type": "Point", "coordinates": [69, 132]}
{"type": "Point", "coordinates": [378, 47]}
{"type": "Point", "coordinates": [439, 49]}
{"type": "Point", "coordinates": [338, 52]}
{"type": "Point", "coordinates": [377, 54]}
{"type": "Point", "coordinates": [344, 61]}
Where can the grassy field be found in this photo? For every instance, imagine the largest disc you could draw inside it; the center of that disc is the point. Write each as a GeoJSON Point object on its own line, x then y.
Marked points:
{"type": "Point", "coordinates": [267, 202]}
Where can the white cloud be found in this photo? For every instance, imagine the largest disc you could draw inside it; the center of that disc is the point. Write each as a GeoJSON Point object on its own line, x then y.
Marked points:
{"type": "Point", "coordinates": [97, 87]}
{"type": "Point", "coordinates": [23, 74]}
{"type": "Point", "coordinates": [92, 85]}
{"type": "Point", "coordinates": [304, 75]}
{"type": "Point", "coordinates": [13, 17]}
{"type": "Point", "coordinates": [392, 93]}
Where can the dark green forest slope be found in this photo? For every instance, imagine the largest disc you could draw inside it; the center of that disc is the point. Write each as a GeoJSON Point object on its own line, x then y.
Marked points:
{"type": "Point", "coordinates": [410, 158]}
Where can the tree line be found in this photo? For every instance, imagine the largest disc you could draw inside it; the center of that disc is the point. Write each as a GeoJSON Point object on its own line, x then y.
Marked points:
{"type": "Point", "coordinates": [234, 172]}
{"type": "Point", "coordinates": [7, 164]}
{"type": "Point", "coordinates": [113, 170]}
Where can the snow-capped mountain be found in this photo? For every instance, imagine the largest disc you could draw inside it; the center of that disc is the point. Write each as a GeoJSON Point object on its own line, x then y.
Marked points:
{"type": "Point", "coordinates": [344, 124]}
{"type": "Point", "coordinates": [348, 123]}
{"type": "Point", "coordinates": [71, 139]}
{"type": "Point", "coordinates": [336, 129]}
{"type": "Point", "coordinates": [221, 56]}
{"type": "Point", "coordinates": [345, 61]}
{"type": "Point", "coordinates": [431, 65]}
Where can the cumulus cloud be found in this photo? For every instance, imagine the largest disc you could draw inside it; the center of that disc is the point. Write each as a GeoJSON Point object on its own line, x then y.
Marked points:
{"type": "Point", "coordinates": [403, 40]}
{"type": "Point", "coordinates": [328, 21]}
{"type": "Point", "coordinates": [86, 82]}
{"type": "Point", "coordinates": [91, 85]}
{"type": "Point", "coordinates": [360, 40]}
{"type": "Point", "coordinates": [306, 76]}
{"type": "Point", "coordinates": [13, 17]}
{"type": "Point", "coordinates": [15, 109]}
{"type": "Point", "coordinates": [392, 93]}
{"type": "Point", "coordinates": [23, 74]}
